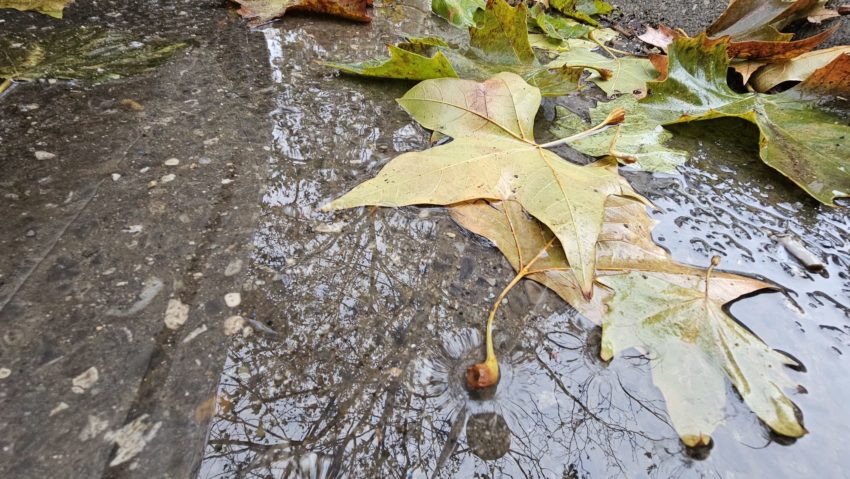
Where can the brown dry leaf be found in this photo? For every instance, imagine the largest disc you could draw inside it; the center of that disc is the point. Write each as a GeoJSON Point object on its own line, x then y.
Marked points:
{"type": "Point", "coordinates": [659, 62]}
{"type": "Point", "coordinates": [259, 12]}
{"type": "Point", "coordinates": [746, 68]}
{"type": "Point", "coordinates": [797, 69]}
{"type": "Point", "coordinates": [781, 50]}
{"type": "Point", "coordinates": [660, 37]}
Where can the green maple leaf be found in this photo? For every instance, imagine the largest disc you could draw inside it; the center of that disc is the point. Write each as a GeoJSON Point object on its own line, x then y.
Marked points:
{"type": "Point", "coordinates": [494, 156]}
{"type": "Point", "coordinates": [80, 54]}
{"type": "Point", "coordinates": [499, 43]}
{"type": "Point", "coordinates": [611, 74]}
{"type": "Point", "coordinates": [638, 140]}
{"type": "Point", "coordinates": [460, 13]}
{"type": "Point", "coordinates": [556, 27]}
{"type": "Point", "coordinates": [694, 346]}
{"type": "Point", "coordinates": [799, 139]}
{"type": "Point", "coordinates": [53, 8]}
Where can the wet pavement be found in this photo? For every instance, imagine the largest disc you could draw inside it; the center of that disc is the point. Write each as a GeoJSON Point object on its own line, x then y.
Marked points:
{"type": "Point", "coordinates": [344, 353]}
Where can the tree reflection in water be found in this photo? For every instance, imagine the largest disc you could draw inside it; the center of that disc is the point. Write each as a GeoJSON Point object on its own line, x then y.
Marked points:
{"type": "Point", "coordinates": [332, 408]}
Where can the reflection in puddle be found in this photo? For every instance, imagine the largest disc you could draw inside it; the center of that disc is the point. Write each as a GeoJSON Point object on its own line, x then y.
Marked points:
{"type": "Point", "coordinates": [376, 313]}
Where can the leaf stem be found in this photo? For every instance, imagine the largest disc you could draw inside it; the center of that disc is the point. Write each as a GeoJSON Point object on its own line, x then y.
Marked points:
{"type": "Point", "coordinates": [715, 260]}
{"type": "Point", "coordinates": [616, 116]}
{"type": "Point", "coordinates": [5, 85]}
{"type": "Point", "coordinates": [486, 374]}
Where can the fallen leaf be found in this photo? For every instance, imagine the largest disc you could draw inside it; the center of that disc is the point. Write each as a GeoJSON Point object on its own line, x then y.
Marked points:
{"type": "Point", "coordinates": [745, 68]}
{"type": "Point", "coordinates": [556, 27]}
{"type": "Point", "coordinates": [638, 140]}
{"type": "Point", "coordinates": [631, 267]}
{"type": "Point", "coordinates": [460, 13]}
{"type": "Point", "coordinates": [611, 74]}
{"type": "Point", "coordinates": [81, 54]}
{"type": "Point", "coordinates": [660, 37]}
{"type": "Point", "coordinates": [582, 10]}
{"type": "Point", "coordinates": [499, 43]}
{"type": "Point", "coordinates": [694, 346]}
{"type": "Point", "coordinates": [402, 64]}
{"type": "Point", "coordinates": [260, 12]}
{"type": "Point", "coordinates": [53, 8]}
{"type": "Point", "coordinates": [625, 245]}
{"type": "Point", "coordinates": [778, 50]}
{"type": "Point", "coordinates": [492, 127]}
{"type": "Point", "coordinates": [756, 19]}
{"type": "Point", "coordinates": [797, 69]}
{"type": "Point", "coordinates": [803, 142]}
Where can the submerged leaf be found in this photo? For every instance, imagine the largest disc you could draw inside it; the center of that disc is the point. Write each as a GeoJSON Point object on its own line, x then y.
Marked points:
{"type": "Point", "coordinates": [81, 54]}
{"type": "Point", "coordinates": [53, 8]}
{"type": "Point", "coordinates": [638, 140]}
{"type": "Point", "coordinates": [803, 142]}
{"type": "Point", "coordinates": [460, 13]}
{"type": "Point", "coordinates": [260, 12]}
{"type": "Point", "coordinates": [494, 156]}
{"type": "Point", "coordinates": [693, 347]}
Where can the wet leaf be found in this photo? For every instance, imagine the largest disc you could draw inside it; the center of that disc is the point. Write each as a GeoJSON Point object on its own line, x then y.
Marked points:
{"type": "Point", "coordinates": [402, 64]}
{"type": "Point", "coordinates": [687, 342]}
{"type": "Point", "coordinates": [259, 12]}
{"type": "Point", "coordinates": [53, 8]}
{"type": "Point", "coordinates": [638, 140]}
{"type": "Point", "coordinates": [494, 156]}
{"type": "Point", "coordinates": [582, 10]}
{"type": "Point", "coordinates": [758, 19]}
{"type": "Point", "coordinates": [625, 245]}
{"type": "Point", "coordinates": [81, 54]}
{"type": "Point", "coordinates": [460, 13]}
{"type": "Point", "coordinates": [805, 143]}
{"type": "Point", "coordinates": [611, 74]}
{"type": "Point", "coordinates": [555, 27]}
{"type": "Point", "coordinates": [694, 346]}
{"type": "Point", "coordinates": [498, 44]}
{"type": "Point", "coordinates": [797, 69]}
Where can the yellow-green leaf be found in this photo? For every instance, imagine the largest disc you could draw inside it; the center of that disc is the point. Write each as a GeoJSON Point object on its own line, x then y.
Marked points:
{"type": "Point", "coordinates": [494, 156]}
{"type": "Point", "coordinates": [694, 346]}
{"type": "Point", "coordinates": [53, 8]}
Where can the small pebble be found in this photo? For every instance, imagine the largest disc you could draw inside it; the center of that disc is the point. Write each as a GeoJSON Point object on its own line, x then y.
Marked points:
{"type": "Point", "coordinates": [145, 169]}
{"type": "Point", "coordinates": [85, 380]}
{"type": "Point", "coordinates": [234, 267]}
{"type": "Point", "coordinates": [5, 373]}
{"type": "Point", "coordinates": [30, 233]}
{"type": "Point", "coordinates": [232, 300]}
{"type": "Point", "coordinates": [116, 176]}
{"type": "Point", "coordinates": [44, 155]}
{"type": "Point", "coordinates": [176, 314]}
{"type": "Point", "coordinates": [233, 325]}
{"type": "Point", "coordinates": [168, 178]}
{"type": "Point", "coordinates": [172, 162]}
{"type": "Point", "coordinates": [226, 181]}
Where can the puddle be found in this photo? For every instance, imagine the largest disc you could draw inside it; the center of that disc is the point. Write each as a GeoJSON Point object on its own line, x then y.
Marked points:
{"type": "Point", "coordinates": [365, 320]}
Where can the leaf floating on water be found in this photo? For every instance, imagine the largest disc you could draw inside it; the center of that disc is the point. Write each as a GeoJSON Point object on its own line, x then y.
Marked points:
{"type": "Point", "coordinates": [492, 126]}
{"type": "Point", "coordinates": [260, 12]}
{"type": "Point", "coordinates": [81, 54]}
{"type": "Point", "coordinates": [694, 346]}
{"type": "Point", "coordinates": [805, 143]}
{"type": "Point", "coordinates": [53, 8]}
